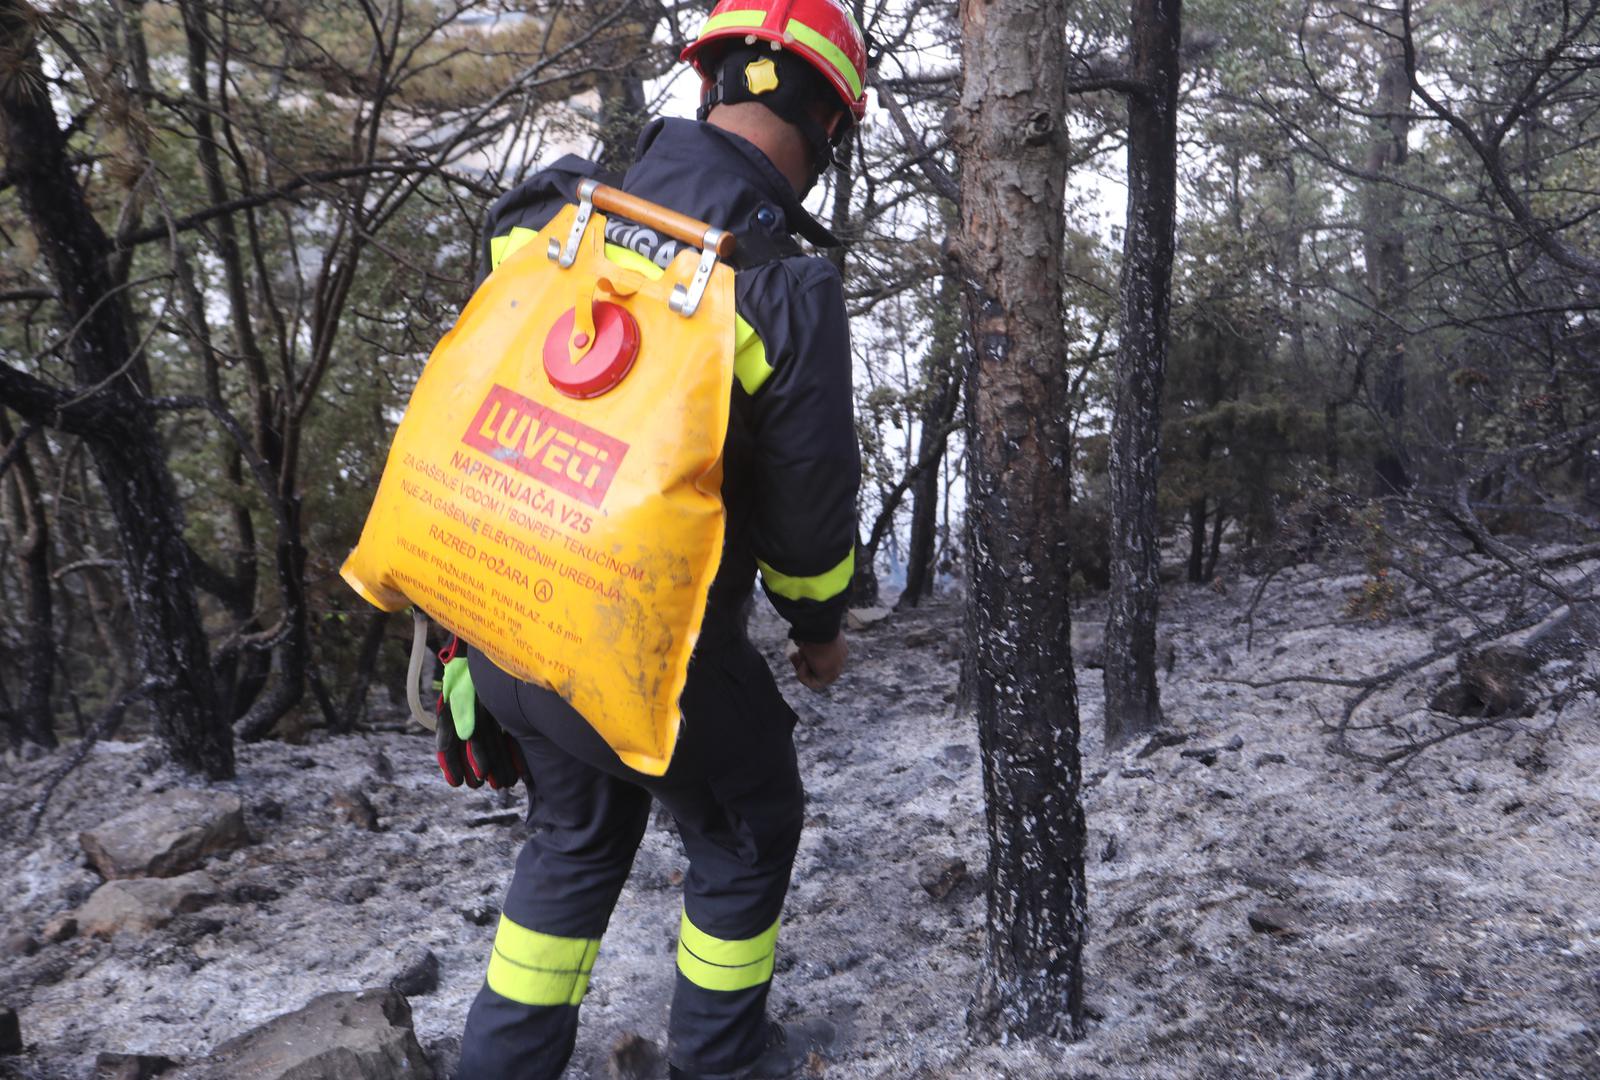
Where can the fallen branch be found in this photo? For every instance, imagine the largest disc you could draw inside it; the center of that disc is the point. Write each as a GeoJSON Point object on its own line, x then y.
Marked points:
{"type": "Point", "coordinates": [1255, 598]}
{"type": "Point", "coordinates": [109, 721]}
{"type": "Point", "coordinates": [1368, 686]}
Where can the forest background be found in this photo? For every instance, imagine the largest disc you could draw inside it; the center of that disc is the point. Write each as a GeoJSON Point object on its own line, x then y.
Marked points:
{"type": "Point", "coordinates": [1377, 292]}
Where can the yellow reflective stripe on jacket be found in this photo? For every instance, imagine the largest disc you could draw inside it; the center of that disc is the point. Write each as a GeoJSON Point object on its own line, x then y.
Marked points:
{"type": "Point", "coordinates": [823, 586]}
{"type": "Point", "coordinates": [714, 963]}
{"type": "Point", "coordinates": [531, 968]}
{"type": "Point", "coordinates": [750, 365]}
{"type": "Point", "coordinates": [502, 246]}
{"type": "Point", "coordinates": [629, 259]}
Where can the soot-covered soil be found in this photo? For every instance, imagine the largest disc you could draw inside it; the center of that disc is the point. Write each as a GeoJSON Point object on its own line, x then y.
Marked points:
{"type": "Point", "coordinates": [1276, 912]}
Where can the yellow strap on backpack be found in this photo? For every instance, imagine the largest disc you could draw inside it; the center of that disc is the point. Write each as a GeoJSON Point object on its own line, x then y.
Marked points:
{"type": "Point", "coordinates": [553, 493]}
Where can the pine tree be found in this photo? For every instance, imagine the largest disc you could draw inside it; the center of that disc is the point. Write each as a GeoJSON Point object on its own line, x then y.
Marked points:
{"type": "Point", "coordinates": [1011, 137]}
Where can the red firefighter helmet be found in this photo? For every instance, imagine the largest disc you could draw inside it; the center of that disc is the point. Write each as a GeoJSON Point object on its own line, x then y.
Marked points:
{"type": "Point", "coordinates": [823, 32]}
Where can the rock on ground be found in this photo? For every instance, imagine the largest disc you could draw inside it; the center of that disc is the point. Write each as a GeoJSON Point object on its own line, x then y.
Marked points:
{"type": "Point", "coordinates": [59, 928]}
{"type": "Point", "coordinates": [1499, 677]}
{"type": "Point", "coordinates": [419, 975]}
{"type": "Point", "coordinates": [864, 618]}
{"type": "Point", "coordinates": [353, 806]}
{"type": "Point", "coordinates": [360, 1035]}
{"type": "Point", "coordinates": [169, 834]}
{"type": "Point", "coordinates": [634, 1057]}
{"type": "Point", "coordinates": [142, 904]}
{"type": "Point", "coordinates": [110, 1065]}
{"type": "Point", "coordinates": [939, 876]}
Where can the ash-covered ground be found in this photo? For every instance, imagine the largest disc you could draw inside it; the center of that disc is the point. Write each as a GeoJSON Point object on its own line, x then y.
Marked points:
{"type": "Point", "coordinates": [1268, 909]}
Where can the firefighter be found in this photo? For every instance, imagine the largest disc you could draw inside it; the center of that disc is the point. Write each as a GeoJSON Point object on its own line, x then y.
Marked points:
{"type": "Point", "coordinates": [782, 82]}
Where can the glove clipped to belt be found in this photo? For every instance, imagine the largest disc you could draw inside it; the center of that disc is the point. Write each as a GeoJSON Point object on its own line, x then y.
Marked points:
{"type": "Point", "coordinates": [471, 746]}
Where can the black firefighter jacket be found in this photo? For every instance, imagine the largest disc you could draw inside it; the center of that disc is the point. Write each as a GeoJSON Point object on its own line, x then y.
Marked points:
{"type": "Point", "coordinates": [791, 465]}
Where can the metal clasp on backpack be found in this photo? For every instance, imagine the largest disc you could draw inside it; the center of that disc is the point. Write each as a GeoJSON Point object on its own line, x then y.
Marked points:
{"type": "Point", "coordinates": [687, 301]}
{"type": "Point", "coordinates": [568, 255]}
{"type": "Point", "coordinates": [684, 301]}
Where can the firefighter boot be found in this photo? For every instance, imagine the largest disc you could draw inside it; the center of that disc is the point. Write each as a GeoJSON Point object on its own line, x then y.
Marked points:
{"type": "Point", "coordinates": [788, 1048]}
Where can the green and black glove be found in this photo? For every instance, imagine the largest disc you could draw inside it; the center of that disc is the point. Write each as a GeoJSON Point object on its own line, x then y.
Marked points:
{"type": "Point", "coordinates": [471, 746]}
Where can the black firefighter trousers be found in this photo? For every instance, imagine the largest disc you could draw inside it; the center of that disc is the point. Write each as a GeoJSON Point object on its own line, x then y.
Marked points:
{"type": "Point", "coordinates": [734, 789]}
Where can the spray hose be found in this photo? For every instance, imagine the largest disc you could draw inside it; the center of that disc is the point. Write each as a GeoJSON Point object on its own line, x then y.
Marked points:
{"type": "Point", "coordinates": [419, 650]}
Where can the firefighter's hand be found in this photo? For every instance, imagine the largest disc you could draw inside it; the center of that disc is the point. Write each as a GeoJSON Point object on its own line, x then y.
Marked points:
{"type": "Point", "coordinates": [816, 664]}
{"type": "Point", "coordinates": [472, 748]}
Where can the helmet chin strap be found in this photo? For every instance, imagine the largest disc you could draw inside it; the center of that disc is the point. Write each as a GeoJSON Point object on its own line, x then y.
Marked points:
{"type": "Point", "coordinates": [786, 107]}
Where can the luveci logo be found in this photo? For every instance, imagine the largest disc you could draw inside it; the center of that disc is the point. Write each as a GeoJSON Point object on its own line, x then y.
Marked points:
{"type": "Point", "coordinates": [556, 450]}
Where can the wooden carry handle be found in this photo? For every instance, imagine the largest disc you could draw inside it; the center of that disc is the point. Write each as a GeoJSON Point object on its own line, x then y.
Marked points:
{"type": "Point", "coordinates": [680, 227]}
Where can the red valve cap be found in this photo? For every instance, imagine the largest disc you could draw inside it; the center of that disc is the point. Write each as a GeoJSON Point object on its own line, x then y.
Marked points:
{"type": "Point", "coordinates": [608, 361]}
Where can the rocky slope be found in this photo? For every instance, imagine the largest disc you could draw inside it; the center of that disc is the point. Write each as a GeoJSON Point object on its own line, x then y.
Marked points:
{"type": "Point", "coordinates": [1261, 907]}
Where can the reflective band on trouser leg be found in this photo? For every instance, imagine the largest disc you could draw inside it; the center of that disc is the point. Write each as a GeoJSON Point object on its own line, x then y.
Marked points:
{"type": "Point", "coordinates": [714, 963]}
{"type": "Point", "coordinates": [531, 968]}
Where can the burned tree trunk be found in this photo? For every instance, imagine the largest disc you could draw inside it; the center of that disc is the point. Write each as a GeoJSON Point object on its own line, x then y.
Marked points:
{"type": "Point", "coordinates": [1197, 538]}
{"type": "Point", "coordinates": [1200, 504]}
{"type": "Point", "coordinates": [937, 411]}
{"type": "Point", "coordinates": [1133, 699]}
{"type": "Point", "coordinates": [919, 551]}
{"type": "Point", "coordinates": [112, 413]}
{"type": "Point", "coordinates": [355, 702]}
{"type": "Point", "coordinates": [1011, 136]}
{"type": "Point", "coordinates": [1219, 518]}
{"type": "Point", "coordinates": [31, 717]}
{"type": "Point", "coordinates": [1387, 272]}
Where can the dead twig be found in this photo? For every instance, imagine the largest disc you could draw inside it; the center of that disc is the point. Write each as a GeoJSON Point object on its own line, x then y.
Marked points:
{"type": "Point", "coordinates": [109, 721]}
{"type": "Point", "coordinates": [1411, 744]}
{"type": "Point", "coordinates": [1255, 598]}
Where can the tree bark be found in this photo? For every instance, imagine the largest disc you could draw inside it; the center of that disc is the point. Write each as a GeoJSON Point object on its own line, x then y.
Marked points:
{"type": "Point", "coordinates": [1197, 539]}
{"type": "Point", "coordinates": [30, 716]}
{"type": "Point", "coordinates": [112, 414]}
{"type": "Point", "coordinates": [1213, 358]}
{"type": "Point", "coordinates": [1011, 135]}
{"type": "Point", "coordinates": [1218, 520]}
{"type": "Point", "coordinates": [291, 660]}
{"type": "Point", "coordinates": [355, 703]}
{"type": "Point", "coordinates": [938, 409]}
{"type": "Point", "coordinates": [1133, 699]}
{"type": "Point", "coordinates": [1330, 438]}
{"type": "Point", "coordinates": [1388, 275]}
